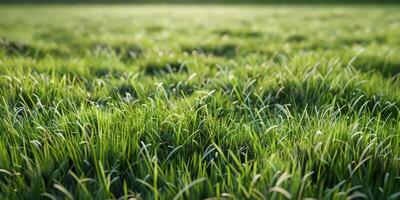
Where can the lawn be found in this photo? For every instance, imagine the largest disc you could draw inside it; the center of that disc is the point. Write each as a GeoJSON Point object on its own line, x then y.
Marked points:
{"type": "Point", "coordinates": [199, 101]}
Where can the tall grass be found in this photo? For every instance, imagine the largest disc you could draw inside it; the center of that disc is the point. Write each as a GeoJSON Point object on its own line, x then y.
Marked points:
{"type": "Point", "coordinates": [184, 102]}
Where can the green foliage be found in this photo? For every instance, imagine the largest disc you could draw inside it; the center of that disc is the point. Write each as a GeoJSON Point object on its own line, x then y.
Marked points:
{"type": "Point", "coordinates": [196, 102]}
{"type": "Point", "coordinates": [200, 1]}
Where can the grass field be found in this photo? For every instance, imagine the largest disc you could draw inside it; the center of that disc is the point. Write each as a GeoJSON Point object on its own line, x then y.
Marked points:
{"type": "Point", "coordinates": [196, 102]}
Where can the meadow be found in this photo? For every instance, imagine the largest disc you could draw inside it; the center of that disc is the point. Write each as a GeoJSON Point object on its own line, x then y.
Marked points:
{"type": "Point", "coordinates": [199, 102]}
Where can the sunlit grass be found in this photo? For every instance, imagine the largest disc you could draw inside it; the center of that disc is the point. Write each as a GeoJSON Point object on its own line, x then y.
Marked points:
{"type": "Point", "coordinates": [197, 102]}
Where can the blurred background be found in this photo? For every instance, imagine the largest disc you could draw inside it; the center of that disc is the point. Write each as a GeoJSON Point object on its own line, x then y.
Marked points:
{"type": "Point", "coordinates": [206, 1]}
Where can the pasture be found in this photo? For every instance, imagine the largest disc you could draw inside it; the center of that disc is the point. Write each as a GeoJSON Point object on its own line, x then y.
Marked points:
{"type": "Point", "coordinates": [199, 102]}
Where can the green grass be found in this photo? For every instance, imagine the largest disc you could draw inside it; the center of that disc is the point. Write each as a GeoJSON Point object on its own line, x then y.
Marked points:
{"type": "Point", "coordinates": [196, 102]}
{"type": "Point", "coordinates": [242, 2]}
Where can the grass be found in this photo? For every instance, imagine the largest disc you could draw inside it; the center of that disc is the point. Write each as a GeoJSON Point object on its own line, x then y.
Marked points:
{"type": "Point", "coordinates": [228, 2]}
{"type": "Point", "coordinates": [197, 102]}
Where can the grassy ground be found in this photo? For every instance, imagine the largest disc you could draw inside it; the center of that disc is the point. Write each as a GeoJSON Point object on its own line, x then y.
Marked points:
{"type": "Point", "coordinates": [243, 2]}
{"type": "Point", "coordinates": [195, 102]}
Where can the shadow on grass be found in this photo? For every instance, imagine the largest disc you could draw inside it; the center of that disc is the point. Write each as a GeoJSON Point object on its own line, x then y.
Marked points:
{"type": "Point", "coordinates": [19, 48]}
{"type": "Point", "coordinates": [348, 100]}
{"type": "Point", "coordinates": [225, 50]}
{"type": "Point", "coordinates": [126, 52]}
{"type": "Point", "coordinates": [239, 33]}
{"type": "Point", "coordinates": [155, 69]}
{"type": "Point", "coordinates": [389, 68]}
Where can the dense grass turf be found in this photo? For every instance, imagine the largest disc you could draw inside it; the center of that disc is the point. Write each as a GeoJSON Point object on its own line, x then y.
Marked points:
{"type": "Point", "coordinates": [194, 102]}
{"type": "Point", "coordinates": [200, 1]}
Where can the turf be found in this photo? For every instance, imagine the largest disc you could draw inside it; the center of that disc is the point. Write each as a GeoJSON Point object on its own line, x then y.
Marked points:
{"type": "Point", "coordinates": [196, 102]}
